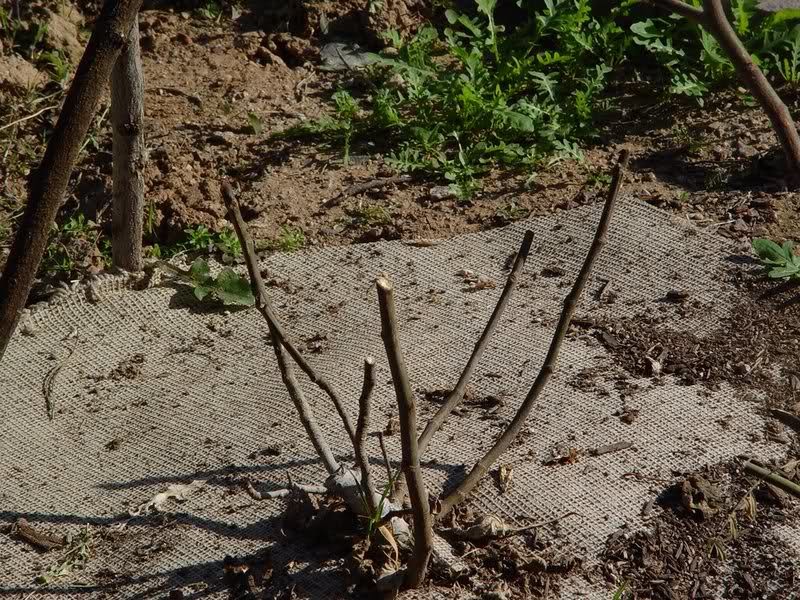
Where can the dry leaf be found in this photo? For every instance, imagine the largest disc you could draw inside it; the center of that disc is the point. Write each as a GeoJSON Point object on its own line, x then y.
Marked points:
{"type": "Point", "coordinates": [484, 283]}
{"type": "Point", "coordinates": [506, 472]}
{"type": "Point", "coordinates": [489, 527]}
{"type": "Point", "coordinates": [700, 495]}
{"type": "Point", "coordinates": [388, 537]}
{"type": "Point", "coordinates": [176, 491]}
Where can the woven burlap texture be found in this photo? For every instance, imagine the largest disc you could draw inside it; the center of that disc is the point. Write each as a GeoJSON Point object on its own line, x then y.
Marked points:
{"type": "Point", "coordinates": [153, 388]}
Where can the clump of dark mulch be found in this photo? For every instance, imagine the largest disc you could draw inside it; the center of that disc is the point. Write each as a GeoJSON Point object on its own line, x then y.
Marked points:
{"type": "Point", "coordinates": [754, 349]}
{"type": "Point", "coordinates": [724, 546]}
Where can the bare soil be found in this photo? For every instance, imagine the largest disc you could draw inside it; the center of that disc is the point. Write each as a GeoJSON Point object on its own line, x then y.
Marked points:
{"type": "Point", "coordinates": [716, 166]}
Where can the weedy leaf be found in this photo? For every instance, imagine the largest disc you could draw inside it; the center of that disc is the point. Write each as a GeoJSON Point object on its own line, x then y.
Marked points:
{"type": "Point", "coordinates": [769, 252]}
{"type": "Point", "coordinates": [201, 291]}
{"type": "Point", "coordinates": [200, 272]}
{"type": "Point", "coordinates": [159, 502]}
{"type": "Point", "coordinates": [255, 122]}
{"type": "Point", "coordinates": [784, 272]}
{"type": "Point", "coordinates": [232, 288]}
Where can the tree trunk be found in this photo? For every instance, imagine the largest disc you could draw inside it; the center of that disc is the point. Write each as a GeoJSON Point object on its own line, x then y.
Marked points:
{"type": "Point", "coordinates": [782, 122]}
{"type": "Point", "coordinates": [127, 118]}
{"type": "Point", "coordinates": [49, 183]}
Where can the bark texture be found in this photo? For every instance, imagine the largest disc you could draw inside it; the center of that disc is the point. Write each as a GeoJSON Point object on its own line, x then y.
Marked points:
{"type": "Point", "coordinates": [49, 182]}
{"type": "Point", "coordinates": [127, 117]}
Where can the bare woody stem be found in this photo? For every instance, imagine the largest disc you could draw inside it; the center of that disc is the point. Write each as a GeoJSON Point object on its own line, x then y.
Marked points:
{"type": "Point", "coordinates": [362, 424]}
{"type": "Point", "coordinates": [407, 410]}
{"type": "Point", "coordinates": [275, 327]}
{"type": "Point", "coordinates": [278, 341]}
{"type": "Point", "coordinates": [127, 117]}
{"type": "Point", "coordinates": [712, 16]}
{"type": "Point", "coordinates": [457, 395]}
{"type": "Point", "coordinates": [774, 478]}
{"type": "Point", "coordinates": [679, 7]}
{"type": "Point", "coordinates": [570, 303]}
{"type": "Point", "coordinates": [50, 182]}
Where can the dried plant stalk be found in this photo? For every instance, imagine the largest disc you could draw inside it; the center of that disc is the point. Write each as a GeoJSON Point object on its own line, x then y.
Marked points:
{"type": "Point", "coordinates": [570, 303]}
{"type": "Point", "coordinates": [423, 531]}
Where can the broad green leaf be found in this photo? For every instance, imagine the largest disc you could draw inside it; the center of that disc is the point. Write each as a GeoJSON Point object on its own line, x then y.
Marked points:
{"type": "Point", "coordinates": [785, 272]}
{"type": "Point", "coordinates": [232, 288]}
{"type": "Point", "coordinates": [201, 291]}
{"type": "Point", "coordinates": [788, 249]}
{"type": "Point", "coordinates": [200, 271]}
{"type": "Point", "coordinates": [768, 251]}
{"type": "Point", "coordinates": [787, 14]}
{"type": "Point", "coordinates": [519, 121]}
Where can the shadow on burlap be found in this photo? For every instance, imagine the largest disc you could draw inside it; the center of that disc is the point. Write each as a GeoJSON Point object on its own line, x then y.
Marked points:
{"type": "Point", "coordinates": [157, 390]}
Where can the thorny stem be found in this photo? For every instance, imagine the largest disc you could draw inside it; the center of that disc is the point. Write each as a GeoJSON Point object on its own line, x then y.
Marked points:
{"type": "Point", "coordinates": [423, 532]}
{"type": "Point", "coordinates": [570, 303]}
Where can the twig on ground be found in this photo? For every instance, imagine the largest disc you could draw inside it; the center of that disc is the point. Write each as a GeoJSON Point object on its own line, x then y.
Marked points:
{"type": "Point", "coordinates": [773, 477]}
{"type": "Point", "coordinates": [282, 493]}
{"type": "Point", "coordinates": [276, 336]}
{"type": "Point", "coordinates": [29, 117]}
{"type": "Point", "coordinates": [39, 540]}
{"type": "Point", "coordinates": [570, 303]}
{"type": "Point", "coordinates": [407, 411]}
{"type": "Point", "coordinates": [49, 382]}
{"type": "Point", "coordinates": [265, 307]}
{"type": "Point", "coordinates": [361, 432]}
{"type": "Point", "coordinates": [364, 186]}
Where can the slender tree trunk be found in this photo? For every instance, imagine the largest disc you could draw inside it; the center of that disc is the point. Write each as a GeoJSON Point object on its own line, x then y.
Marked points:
{"type": "Point", "coordinates": [127, 117]}
{"type": "Point", "coordinates": [712, 16]}
{"type": "Point", "coordinates": [49, 183]}
{"type": "Point", "coordinates": [757, 83]}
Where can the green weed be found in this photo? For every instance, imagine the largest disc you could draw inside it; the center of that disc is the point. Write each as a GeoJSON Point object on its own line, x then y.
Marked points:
{"type": "Point", "coordinates": [58, 66]}
{"type": "Point", "coordinates": [472, 97]}
{"type": "Point", "coordinates": [77, 554]}
{"type": "Point", "coordinates": [290, 239]}
{"type": "Point", "coordinates": [510, 212]}
{"type": "Point", "coordinates": [369, 215]}
{"type": "Point", "coordinates": [75, 245]}
{"type": "Point", "coordinates": [210, 10]}
{"type": "Point", "coordinates": [457, 103]}
{"type": "Point", "coordinates": [780, 262]}
{"type": "Point", "coordinates": [255, 123]}
{"type": "Point", "coordinates": [228, 243]}
{"type": "Point", "coordinates": [693, 60]}
{"type": "Point", "coordinates": [198, 238]}
{"type": "Point", "coordinates": [228, 287]}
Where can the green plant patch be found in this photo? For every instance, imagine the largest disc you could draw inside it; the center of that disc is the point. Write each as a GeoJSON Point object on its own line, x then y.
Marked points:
{"type": "Point", "coordinates": [780, 261]}
{"type": "Point", "coordinates": [228, 287]}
